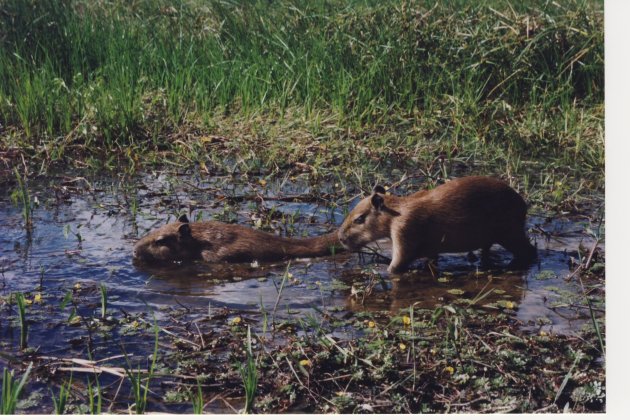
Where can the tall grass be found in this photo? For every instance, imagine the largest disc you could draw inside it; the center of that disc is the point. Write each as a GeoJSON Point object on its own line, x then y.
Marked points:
{"type": "Point", "coordinates": [109, 75]}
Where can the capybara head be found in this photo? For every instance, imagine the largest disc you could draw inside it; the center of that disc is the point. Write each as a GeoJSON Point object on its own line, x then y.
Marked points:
{"type": "Point", "coordinates": [170, 243]}
{"type": "Point", "coordinates": [369, 221]}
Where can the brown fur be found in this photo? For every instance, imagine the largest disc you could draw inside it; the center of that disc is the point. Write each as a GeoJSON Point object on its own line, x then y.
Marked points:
{"type": "Point", "coordinates": [461, 215]}
{"type": "Point", "coordinates": [220, 242]}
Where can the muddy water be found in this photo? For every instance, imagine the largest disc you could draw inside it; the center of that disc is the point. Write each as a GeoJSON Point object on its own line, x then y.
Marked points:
{"type": "Point", "coordinates": [84, 233]}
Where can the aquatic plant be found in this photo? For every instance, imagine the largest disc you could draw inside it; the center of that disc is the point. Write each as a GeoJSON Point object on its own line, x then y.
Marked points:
{"type": "Point", "coordinates": [21, 304]}
{"type": "Point", "coordinates": [140, 381]}
{"type": "Point", "coordinates": [249, 375]}
{"type": "Point", "coordinates": [197, 399]}
{"type": "Point", "coordinates": [21, 196]}
{"type": "Point", "coordinates": [95, 396]}
{"type": "Point", "coordinates": [11, 391]}
{"type": "Point", "coordinates": [103, 290]}
{"type": "Point", "coordinates": [60, 402]}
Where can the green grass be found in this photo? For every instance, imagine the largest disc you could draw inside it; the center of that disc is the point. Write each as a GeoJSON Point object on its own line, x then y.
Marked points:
{"type": "Point", "coordinates": [20, 197]}
{"type": "Point", "coordinates": [21, 304]}
{"type": "Point", "coordinates": [95, 396]}
{"type": "Point", "coordinates": [103, 301]}
{"type": "Point", "coordinates": [321, 83]}
{"type": "Point", "coordinates": [11, 391]}
{"type": "Point", "coordinates": [197, 399]}
{"type": "Point", "coordinates": [60, 402]}
{"type": "Point", "coordinates": [139, 381]}
{"type": "Point", "coordinates": [249, 375]}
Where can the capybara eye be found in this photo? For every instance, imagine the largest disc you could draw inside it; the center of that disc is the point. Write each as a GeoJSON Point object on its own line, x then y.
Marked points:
{"type": "Point", "coordinates": [161, 241]}
{"type": "Point", "coordinates": [360, 220]}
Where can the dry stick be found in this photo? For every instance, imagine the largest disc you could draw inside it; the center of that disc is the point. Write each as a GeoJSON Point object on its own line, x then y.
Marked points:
{"type": "Point", "coordinates": [203, 343]}
{"type": "Point", "coordinates": [228, 404]}
{"type": "Point", "coordinates": [587, 264]}
{"type": "Point", "coordinates": [275, 306]}
{"type": "Point", "coordinates": [216, 397]}
{"type": "Point", "coordinates": [111, 405]}
{"type": "Point", "coordinates": [197, 347]}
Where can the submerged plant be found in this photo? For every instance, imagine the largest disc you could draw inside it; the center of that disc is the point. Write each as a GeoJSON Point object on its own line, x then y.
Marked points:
{"type": "Point", "coordinates": [11, 391]}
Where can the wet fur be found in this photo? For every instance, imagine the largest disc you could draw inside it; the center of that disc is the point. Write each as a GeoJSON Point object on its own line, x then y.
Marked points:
{"type": "Point", "coordinates": [459, 216]}
{"type": "Point", "coordinates": [219, 242]}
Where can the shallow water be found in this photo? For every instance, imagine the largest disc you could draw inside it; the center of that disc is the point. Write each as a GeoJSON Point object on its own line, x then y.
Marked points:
{"type": "Point", "coordinates": [84, 233]}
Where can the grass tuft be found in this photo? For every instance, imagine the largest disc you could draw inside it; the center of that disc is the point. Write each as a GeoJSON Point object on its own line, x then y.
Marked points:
{"type": "Point", "coordinates": [11, 391]}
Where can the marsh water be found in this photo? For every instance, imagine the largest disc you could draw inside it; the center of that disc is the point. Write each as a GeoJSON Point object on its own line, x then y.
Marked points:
{"type": "Point", "coordinates": [84, 230]}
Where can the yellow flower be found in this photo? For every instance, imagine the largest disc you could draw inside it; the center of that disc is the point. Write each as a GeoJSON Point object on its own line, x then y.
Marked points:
{"type": "Point", "coordinates": [449, 369]}
{"type": "Point", "coordinates": [402, 346]}
{"type": "Point", "coordinates": [37, 298]}
{"type": "Point", "coordinates": [305, 362]}
{"type": "Point", "coordinates": [543, 333]}
{"type": "Point", "coordinates": [406, 320]}
{"type": "Point", "coordinates": [236, 320]}
{"type": "Point", "coordinates": [28, 301]}
{"type": "Point", "coordinates": [371, 324]}
{"type": "Point", "coordinates": [77, 286]}
{"type": "Point", "coordinates": [262, 182]}
{"type": "Point", "coordinates": [135, 324]}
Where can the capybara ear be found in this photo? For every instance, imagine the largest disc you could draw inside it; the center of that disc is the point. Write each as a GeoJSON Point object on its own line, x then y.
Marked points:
{"type": "Point", "coordinates": [183, 218]}
{"type": "Point", "coordinates": [378, 190]}
{"type": "Point", "coordinates": [377, 201]}
{"type": "Point", "coordinates": [184, 230]}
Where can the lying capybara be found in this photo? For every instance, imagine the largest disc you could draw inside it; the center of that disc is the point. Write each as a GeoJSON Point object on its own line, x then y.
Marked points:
{"type": "Point", "coordinates": [221, 242]}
